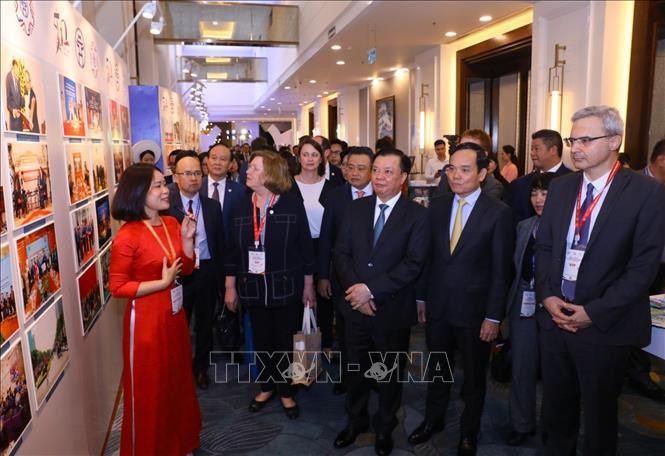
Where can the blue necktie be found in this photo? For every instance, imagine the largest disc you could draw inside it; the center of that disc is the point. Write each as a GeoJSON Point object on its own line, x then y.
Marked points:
{"type": "Point", "coordinates": [378, 227]}
{"type": "Point", "coordinates": [568, 286]}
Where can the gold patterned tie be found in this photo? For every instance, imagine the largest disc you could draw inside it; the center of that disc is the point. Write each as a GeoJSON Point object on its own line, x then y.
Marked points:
{"type": "Point", "coordinates": [457, 226]}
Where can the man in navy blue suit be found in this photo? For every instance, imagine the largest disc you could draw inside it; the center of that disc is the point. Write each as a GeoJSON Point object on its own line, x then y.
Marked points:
{"type": "Point", "coordinates": [200, 289]}
{"type": "Point", "coordinates": [217, 187]}
{"type": "Point", "coordinates": [359, 173]}
{"type": "Point", "coordinates": [598, 247]}
{"type": "Point", "coordinates": [546, 151]}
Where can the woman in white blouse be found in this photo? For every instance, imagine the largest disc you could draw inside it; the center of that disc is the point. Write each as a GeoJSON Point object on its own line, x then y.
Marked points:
{"type": "Point", "coordinates": [313, 187]}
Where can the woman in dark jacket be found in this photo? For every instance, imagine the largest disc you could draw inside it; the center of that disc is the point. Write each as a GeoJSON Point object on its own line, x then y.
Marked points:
{"type": "Point", "coordinates": [270, 269]}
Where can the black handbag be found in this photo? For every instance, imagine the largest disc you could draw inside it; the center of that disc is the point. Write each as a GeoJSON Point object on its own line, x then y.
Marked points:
{"type": "Point", "coordinates": [226, 328]}
{"type": "Point", "coordinates": [501, 364]}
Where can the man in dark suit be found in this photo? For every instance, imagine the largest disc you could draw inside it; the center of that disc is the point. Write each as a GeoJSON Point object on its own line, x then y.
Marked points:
{"type": "Point", "coordinates": [359, 174]}
{"type": "Point", "coordinates": [14, 99]}
{"type": "Point", "coordinates": [333, 173]}
{"type": "Point", "coordinates": [217, 187]}
{"type": "Point", "coordinates": [546, 151]}
{"type": "Point", "coordinates": [379, 254]}
{"type": "Point", "coordinates": [201, 288]}
{"type": "Point", "coordinates": [465, 290]}
{"type": "Point", "coordinates": [597, 251]}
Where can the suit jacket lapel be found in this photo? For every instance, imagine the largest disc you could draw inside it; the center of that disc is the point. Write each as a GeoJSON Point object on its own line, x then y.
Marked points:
{"type": "Point", "coordinates": [394, 220]}
{"type": "Point", "coordinates": [176, 203]}
{"type": "Point", "coordinates": [445, 226]}
{"type": "Point", "coordinates": [616, 187]}
{"type": "Point", "coordinates": [474, 217]}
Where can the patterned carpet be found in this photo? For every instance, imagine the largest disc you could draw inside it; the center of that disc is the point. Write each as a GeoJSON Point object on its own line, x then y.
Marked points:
{"type": "Point", "coordinates": [228, 428]}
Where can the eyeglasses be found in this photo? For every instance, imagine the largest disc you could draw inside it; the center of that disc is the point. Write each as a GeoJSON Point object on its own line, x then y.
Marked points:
{"type": "Point", "coordinates": [584, 140]}
{"type": "Point", "coordinates": [191, 174]}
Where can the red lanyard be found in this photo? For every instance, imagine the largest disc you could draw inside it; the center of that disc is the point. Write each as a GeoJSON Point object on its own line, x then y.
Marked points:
{"type": "Point", "coordinates": [259, 226]}
{"type": "Point", "coordinates": [169, 254]}
{"type": "Point", "coordinates": [581, 220]}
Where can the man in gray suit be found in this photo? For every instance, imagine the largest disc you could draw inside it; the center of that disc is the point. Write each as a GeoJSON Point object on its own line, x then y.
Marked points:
{"type": "Point", "coordinates": [14, 100]}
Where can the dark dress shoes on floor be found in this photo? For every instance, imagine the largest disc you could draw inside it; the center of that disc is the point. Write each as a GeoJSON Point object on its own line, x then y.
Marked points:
{"type": "Point", "coordinates": [424, 432]}
{"type": "Point", "coordinates": [467, 445]}
{"type": "Point", "coordinates": [517, 438]}
{"type": "Point", "coordinates": [348, 436]}
{"type": "Point", "coordinates": [255, 405]}
{"type": "Point", "coordinates": [383, 444]}
{"type": "Point", "coordinates": [292, 412]}
{"type": "Point", "coordinates": [202, 380]}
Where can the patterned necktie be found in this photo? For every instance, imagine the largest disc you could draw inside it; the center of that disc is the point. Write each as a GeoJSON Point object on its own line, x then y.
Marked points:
{"type": "Point", "coordinates": [568, 286]}
{"type": "Point", "coordinates": [378, 227]}
{"type": "Point", "coordinates": [359, 194]}
{"type": "Point", "coordinates": [457, 226]}
{"type": "Point", "coordinates": [215, 192]}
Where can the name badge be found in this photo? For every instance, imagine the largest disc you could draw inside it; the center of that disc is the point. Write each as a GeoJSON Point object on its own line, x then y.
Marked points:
{"type": "Point", "coordinates": [257, 261]}
{"type": "Point", "coordinates": [176, 299]}
{"type": "Point", "coordinates": [572, 264]}
{"type": "Point", "coordinates": [197, 260]}
{"type": "Point", "coordinates": [528, 308]}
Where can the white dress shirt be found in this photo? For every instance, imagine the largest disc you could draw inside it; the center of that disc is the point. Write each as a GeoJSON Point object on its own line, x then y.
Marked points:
{"type": "Point", "coordinates": [221, 188]}
{"type": "Point", "coordinates": [433, 165]}
{"type": "Point", "coordinates": [391, 204]}
{"type": "Point", "coordinates": [310, 195]}
{"type": "Point", "coordinates": [598, 186]}
{"type": "Point", "coordinates": [555, 168]}
{"type": "Point", "coordinates": [367, 191]}
{"type": "Point", "coordinates": [466, 210]}
{"type": "Point", "coordinates": [201, 239]}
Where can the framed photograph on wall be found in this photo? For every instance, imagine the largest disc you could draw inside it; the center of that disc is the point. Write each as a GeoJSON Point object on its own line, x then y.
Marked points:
{"type": "Point", "coordinates": [49, 350]}
{"type": "Point", "coordinates": [118, 167]}
{"type": "Point", "coordinates": [83, 228]}
{"type": "Point", "coordinates": [29, 175]}
{"type": "Point", "coordinates": [385, 118]}
{"type": "Point", "coordinates": [8, 316]}
{"type": "Point", "coordinates": [99, 173]}
{"type": "Point", "coordinates": [25, 105]}
{"type": "Point", "coordinates": [3, 212]}
{"type": "Point", "coordinates": [78, 172]}
{"type": "Point", "coordinates": [14, 389]}
{"type": "Point", "coordinates": [93, 113]}
{"type": "Point", "coordinates": [38, 268]}
{"type": "Point", "coordinates": [104, 264]}
{"type": "Point", "coordinates": [103, 212]}
{"type": "Point", "coordinates": [89, 297]}
{"type": "Point", "coordinates": [71, 107]}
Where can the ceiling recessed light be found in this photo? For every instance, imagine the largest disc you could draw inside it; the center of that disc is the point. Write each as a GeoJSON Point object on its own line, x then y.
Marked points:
{"type": "Point", "coordinates": [287, 87]}
{"type": "Point", "coordinates": [451, 34]}
{"type": "Point", "coordinates": [335, 47]}
{"type": "Point", "coordinates": [185, 70]}
{"type": "Point", "coordinates": [263, 107]}
{"type": "Point", "coordinates": [319, 96]}
{"type": "Point", "coordinates": [269, 109]}
{"type": "Point", "coordinates": [279, 103]}
{"type": "Point", "coordinates": [272, 99]}
{"type": "Point", "coordinates": [194, 75]}
{"type": "Point", "coordinates": [215, 23]}
{"type": "Point", "coordinates": [340, 62]}
{"type": "Point", "coordinates": [312, 81]}
{"type": "Point", "coordinates": [485, 18]}
{"type": "Point", "coordinates": [325, 92]}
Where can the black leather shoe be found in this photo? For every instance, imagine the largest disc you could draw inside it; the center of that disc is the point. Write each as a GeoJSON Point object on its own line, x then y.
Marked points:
{"type": "Point", "coordinates": [255, 405]}
{"type": "Point", "coordinates": [292, 412]}
{"type": "Point", "coordinates": [383, 444]}
{"type": "Point", "coordinates": [517, 438]}
{"type": "Point", "coordinates": [467, 445]}
{"type": "Point", "coordinates": [348, 436]}
{"type": "Point", "coordinates": [339, 389]}
{"type": "Point", "coordinates": [650, 389]}
{"type": "Point", "coordinates": [424, 432]}
{"type": "Point", "coordinates": [202, 380]}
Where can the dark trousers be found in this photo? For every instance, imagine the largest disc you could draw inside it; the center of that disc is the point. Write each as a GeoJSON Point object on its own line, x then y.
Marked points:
{"type": "Point", "coordinates": [443, 337]}
{"type": "Point", "coordinates": [199, 295]}
{"type": "Point", "coordinates": [273, 343]}
{"type": "Point", "coordinates": [340, 331]}
{"type": "Point", "coordinates": [324, 309]}
{"type": "Point", "coordinates": [361, 339]}
{"type": "Point", "coordinates": [575, 372]}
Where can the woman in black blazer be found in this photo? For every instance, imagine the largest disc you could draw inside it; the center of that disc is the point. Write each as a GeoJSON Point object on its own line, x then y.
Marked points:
{"type": "Point", "coordinates": [270, 269]}
{"type": "Point", "coordinates": [313, 188]}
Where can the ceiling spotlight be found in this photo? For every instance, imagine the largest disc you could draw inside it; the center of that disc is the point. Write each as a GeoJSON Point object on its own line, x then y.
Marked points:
{"type": "Point", "coordinates": [335, 47]}
{"type": "Point", "coordinates": [451, 34]}
{"type": "Point", "coordinates": [485, 18]}
{"type": "Point", "coordinates": [185, 70]}
{"type": "Point", "coordinates": [312, 81]}
{"type": "Point", "coordinates": [150, 9]}
{"type": "Point", "coordinates": [156, 27]}
{"type": "Point", "coordinates": [215, 23]}
{"type": "Point", "coordinates": [263, 107]}
{"type": "Point", "coordinates": [194, 75]}
{"type": "Point", "coordinates": [325, 92]}
{"type": "Point", "coordinates": [272, 99]}
{"type": "Point", "coordinates": [287, 87]}
{"type": "Point", "coordinates": [340, 62]}
{"type": "Point", "coordinates": [279, 102]}
{"type": "Point", "coordinates": [319, 96]}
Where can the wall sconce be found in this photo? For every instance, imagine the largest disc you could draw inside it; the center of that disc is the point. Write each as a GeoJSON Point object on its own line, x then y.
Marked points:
{"type": "Point", "coordinates": [422, 107]}
{"type": "Point", "coordinates": [555, 88]}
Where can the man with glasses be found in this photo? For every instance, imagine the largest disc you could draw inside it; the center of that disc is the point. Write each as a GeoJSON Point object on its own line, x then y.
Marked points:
{"type": "Point", "coordinates": [597, 251]}
{"type": "Point", "coordinates": [201, 287]}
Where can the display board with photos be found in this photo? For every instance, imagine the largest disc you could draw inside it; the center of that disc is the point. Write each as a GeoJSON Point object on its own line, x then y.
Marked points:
{"type": "Point", "coordinates": [56, 69]}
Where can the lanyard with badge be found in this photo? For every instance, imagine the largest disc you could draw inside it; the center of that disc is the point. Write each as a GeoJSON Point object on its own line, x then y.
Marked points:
{"type": "Point", "coordinates": [528, 308]}
{"type": "Point", "coordinates": [257, 254]}
{"type": "Point", "coordinates": [176, 292]}
{"type": "Point", "coordinates": [575, 253]}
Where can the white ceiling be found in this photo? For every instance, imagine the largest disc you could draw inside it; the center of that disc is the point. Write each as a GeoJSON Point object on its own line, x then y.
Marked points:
{"type": "Point", "coordinates": [399, 30]}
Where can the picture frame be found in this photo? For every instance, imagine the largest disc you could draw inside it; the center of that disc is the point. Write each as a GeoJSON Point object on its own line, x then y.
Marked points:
{"type": "Point", "coordinates": [385, 117]}
{"type": "Point", "coordinates": [14, 384]}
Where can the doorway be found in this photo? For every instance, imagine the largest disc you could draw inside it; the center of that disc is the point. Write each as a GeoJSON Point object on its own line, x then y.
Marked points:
{"type": "Point", "coordinates": [493, 82]}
